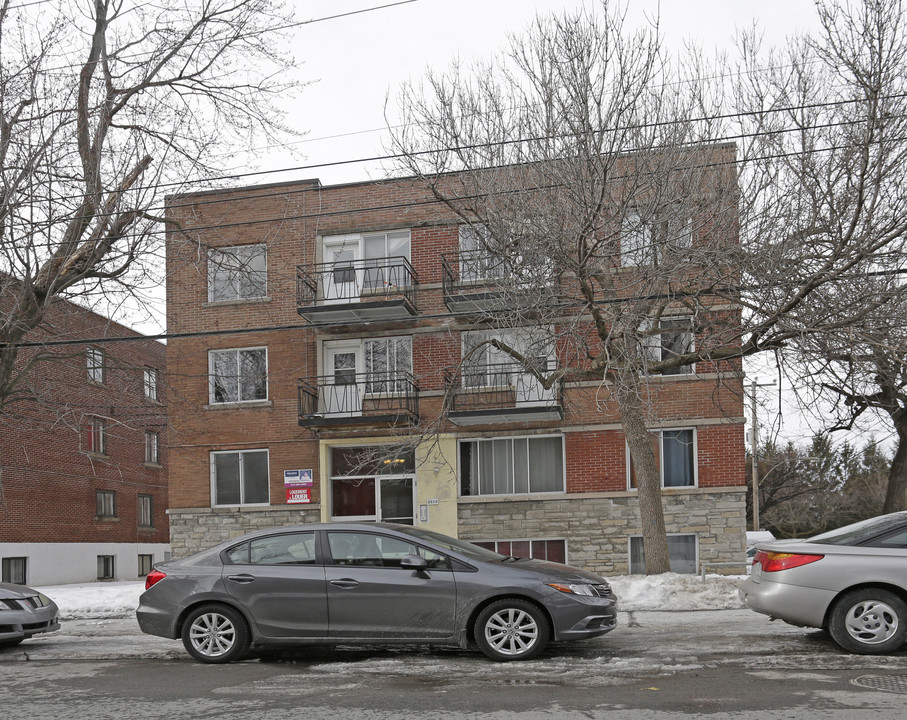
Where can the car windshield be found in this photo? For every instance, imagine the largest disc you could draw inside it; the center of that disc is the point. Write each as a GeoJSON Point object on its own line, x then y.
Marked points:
{"type": "Point", "coordinates": [449, 543]}
{"type": "Point", "coordinates": [861, 531]}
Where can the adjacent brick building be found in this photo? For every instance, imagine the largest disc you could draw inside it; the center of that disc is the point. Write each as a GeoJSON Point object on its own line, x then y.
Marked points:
{"type": "Point", "coordinates": [320, 328]}
{"type": "Point", "coordinates": [83, 455]}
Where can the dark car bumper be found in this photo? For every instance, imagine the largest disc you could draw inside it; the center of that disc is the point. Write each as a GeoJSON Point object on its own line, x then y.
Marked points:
{"type": "Point", "coordinates": [578, 616]}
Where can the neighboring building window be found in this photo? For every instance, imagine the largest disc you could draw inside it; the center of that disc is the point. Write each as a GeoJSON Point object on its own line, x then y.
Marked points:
{"type": "Point", "coordinates": [372, 483]}
{"type": "Point", "coordinates": [152, 448]}
{"type": "Point", "coordinates": [106, 568]}
{"type": "Point", "coordinates": [150, 383]}
{"type": "Point", "coordinates": [96, 436]}
{"type": "Point", "coordinates": [146, 563]}
{"type": "Point", "coordinates": [551, 550]}
{"type": "Point", "coordinates": [94, 359]}
{"type": "Point", "coordinates": [238, 375]}
{"type": "Point", "coordinates": [14, 570]}
{"type": "Point", "coordinates": [675, 337]}
{"type": "Point", "coordinates": [145, 511]}
{"type": "Point", "coordinates": [682, 550]}
{"type": "Point", "coordinates": [647, 240]}
{"type": "Point", "coordinates": [240, 477]}
{"type": "Point", "coordinates": [675, 453]}
{"type": "Point", "coordinates": [107, 503]}
{"type": "Point", "coordinates": [512, 466]}
{"type": "Point", "coordinates": [237, 273]}
{"type": "Point", "coordinates": [388, 363]}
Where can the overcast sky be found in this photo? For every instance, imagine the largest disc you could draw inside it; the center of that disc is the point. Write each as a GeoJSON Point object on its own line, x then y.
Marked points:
{"type": "Point", "coordinates": [355, 61]}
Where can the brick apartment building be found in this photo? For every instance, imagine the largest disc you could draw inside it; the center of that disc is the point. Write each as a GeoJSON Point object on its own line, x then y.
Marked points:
{"type": "Point", "coordinates": [83, 490]}
{"type": "Point", "coordinates": [325, 324]}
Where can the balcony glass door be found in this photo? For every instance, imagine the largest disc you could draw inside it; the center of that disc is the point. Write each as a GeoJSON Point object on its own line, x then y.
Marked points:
{"type": "Point", "coordinates": [342, 392]}
{"type": "Point", "coordinates": [342, 280]}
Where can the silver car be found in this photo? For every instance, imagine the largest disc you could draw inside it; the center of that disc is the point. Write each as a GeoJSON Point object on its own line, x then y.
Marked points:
{"type": "Point", "coordinates": [851, 581]}
{"type": "Point", "coordinates": [25, 612]}
{"type": "Point", "coordinates": [369, 583]}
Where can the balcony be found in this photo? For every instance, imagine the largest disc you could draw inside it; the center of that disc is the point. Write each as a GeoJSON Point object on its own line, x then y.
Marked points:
{"type": "Point", "coordinates": [502, 393]}
{"type": "Point", "coordinates": [347, 398]}
{"type": "Point", "coordinates": [471, 280]}
{"type": "Point", "coordinates": [356, 291]}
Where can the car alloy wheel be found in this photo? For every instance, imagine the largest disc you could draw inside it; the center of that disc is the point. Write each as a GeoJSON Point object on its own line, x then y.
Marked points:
{"type": "Point", "coordinates": [869, 621]}
{"type": "Point", "coordinates": [215, 634]}
{"type": "Point", "coordinates": [511, 629]}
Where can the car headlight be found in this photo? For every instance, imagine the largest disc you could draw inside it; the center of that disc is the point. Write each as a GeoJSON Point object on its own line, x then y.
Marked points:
{"type": "Point", "coordinates": [44, 600]}
{"type": "Point", "coordinates": [573, 588]}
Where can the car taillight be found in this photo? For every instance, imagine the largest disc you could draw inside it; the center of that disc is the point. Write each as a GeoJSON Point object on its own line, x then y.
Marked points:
{"type": "Point", "coordinates": [155, 576]}
{"type": "Point", "coordinates": [775, 561]}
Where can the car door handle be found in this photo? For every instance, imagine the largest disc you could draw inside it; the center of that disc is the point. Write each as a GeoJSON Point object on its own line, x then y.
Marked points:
{"type": "Point", "coordinates": [241, 578]}
{"type": "Point", "coordinates": [346, 583]}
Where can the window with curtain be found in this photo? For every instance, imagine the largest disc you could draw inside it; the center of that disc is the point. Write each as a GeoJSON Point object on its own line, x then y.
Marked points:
{"type": "Point", "coordinates": [512, 466]}
{"type": "Point", "coordinates": [675, 453]}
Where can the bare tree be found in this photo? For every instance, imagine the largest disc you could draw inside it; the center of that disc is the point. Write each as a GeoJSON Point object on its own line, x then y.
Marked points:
{"type": "Point", "coordinates": [596, 175]}
{"type": "Point", "coordinates": [104, 106]}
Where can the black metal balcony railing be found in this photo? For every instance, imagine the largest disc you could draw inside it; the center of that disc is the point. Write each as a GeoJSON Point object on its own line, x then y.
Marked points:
{"type": "Point", "coordinates": [356, 281]}
{"type": "Point", "coordinates": [358, 398]}
{"type": "Point", "coordinates": [501, 387]}
{"type": "Point", "coordinates": [470, 268]}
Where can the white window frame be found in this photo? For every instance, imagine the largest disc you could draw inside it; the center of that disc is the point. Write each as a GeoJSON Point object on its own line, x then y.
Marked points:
{"type": "Point", "coordinates": [150, 383]}
{"type": "Point", "coordinates": [661, 476]}
{"type": "Point", "coordinates": [211, 376]}
{"type": "Point", "coordinates": [694, 535]}
{"type": "Point", "coordinates": [654, 343]}
{"type": "Point", "coordinates": [95, 364]}
{"type": "Point", "coordinates": [216, 264]}
{"type": "Point", "coordinates": [242, 486]}
{"type": "Point", "coordinates": [152, 447]}
{"type": "Point", "coordinates": [97, 432]}
{"type": "Point", "coordinates": [529, 491]}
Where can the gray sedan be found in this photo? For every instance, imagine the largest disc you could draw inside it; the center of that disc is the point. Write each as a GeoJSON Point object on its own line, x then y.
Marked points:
{"type": "Point", "coordinates": [24, 612]}
{"type": "Point", "coordinates": [369, 583]}
{"type": "Point", "coordinates": [851, 581]}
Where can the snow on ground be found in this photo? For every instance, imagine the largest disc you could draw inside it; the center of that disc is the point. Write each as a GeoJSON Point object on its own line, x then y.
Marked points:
{"type": "Point", "coordinates": [634, 592]}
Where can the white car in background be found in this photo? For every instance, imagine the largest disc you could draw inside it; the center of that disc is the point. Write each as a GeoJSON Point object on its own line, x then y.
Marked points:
{"type": "Point", "coordinates": [851, 581]}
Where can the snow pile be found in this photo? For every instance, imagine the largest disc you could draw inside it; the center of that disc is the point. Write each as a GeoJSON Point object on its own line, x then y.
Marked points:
{"type": "Point", "coordinates": [677, 592]}
{"type": "Point", "coordinates": [634, 592]}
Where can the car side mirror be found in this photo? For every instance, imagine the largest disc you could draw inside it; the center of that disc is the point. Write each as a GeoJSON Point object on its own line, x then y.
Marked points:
{"type": "Point", "coordinates": [413, 562]}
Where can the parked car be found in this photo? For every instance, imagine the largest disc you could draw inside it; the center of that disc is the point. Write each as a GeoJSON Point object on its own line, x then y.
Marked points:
{"type": "Point", "coordinates": [369, 583]}
{"type": "Point", "coordinates": [851, 581]}
{"type": "Point", "coordinates": [25, 612]}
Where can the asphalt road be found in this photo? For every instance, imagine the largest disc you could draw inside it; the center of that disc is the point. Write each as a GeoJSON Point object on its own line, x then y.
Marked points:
{"type": "Point", "coordinates": [727, 664]}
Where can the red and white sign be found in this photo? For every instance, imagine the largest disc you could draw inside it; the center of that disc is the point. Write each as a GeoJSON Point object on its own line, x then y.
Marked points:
{"type": "Point", "coordinates": [299, 495]}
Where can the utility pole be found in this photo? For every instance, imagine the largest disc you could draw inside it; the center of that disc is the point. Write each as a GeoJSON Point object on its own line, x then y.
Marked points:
{"type": "Point", "coordinates": [754, 439]}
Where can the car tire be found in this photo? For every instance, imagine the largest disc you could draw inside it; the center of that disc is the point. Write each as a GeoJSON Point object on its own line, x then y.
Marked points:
{"type": "Point", "coordinates": [512, 629]}
{"type": "Point", "coordinates": [869, 621]}
{"type": "Point", "coordinates": [216, 634]}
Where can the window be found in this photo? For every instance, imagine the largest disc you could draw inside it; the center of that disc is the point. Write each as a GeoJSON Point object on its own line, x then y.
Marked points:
{"type": "Point", "coordinates": [674, 337]}
{"type": "Point", "coordinates": [675, 453]}
{"type": "Point", "coordinates": [146, 563]}
{"type": "Point", "coordinates": [145, 511]}
{"type": "Point", "coordinates": [477, 260]}
{"type": "Point", "coordinates": [238, 375]}
{"type": "Point", "coordinates": [106, 569]}
{"type": "Point", "coordinates": [484, 365]}
{"type": "Point", "coordinates": [289, 549]}
{"type": "Point", "coordinates": [372, 483]}
{"type": "Point", "coordinates": [649, 240]}
{"type": "Point", "coordinates": [96, 436]}
{"type": "Point", "coordinates": [150, 383]}
{"type": "Point", "coordinates": [94, 360]}
{"type": "Point", "coordinates": [388, 363]}
{"type": "Point", "coordinates": [237, 273]}
{"type": "Point", "coordinates": [152, 448]}
{"type": "Point", "coordinates": [240, 477]}
{"type": "Point", "coordinates": [512, 466]}
{"type": "Point", "coordinates": [551, 550]}
{"type": "Point", "coordinates": [681, 550]}
{"type": "Point", "coordinates": [106, 503]}
{"type": "Point", "coordinates": [370, 550]}
{"type": "Point", "coordinates": [14, 570]}
{"type": "Point", "coordinates": [370, 263]}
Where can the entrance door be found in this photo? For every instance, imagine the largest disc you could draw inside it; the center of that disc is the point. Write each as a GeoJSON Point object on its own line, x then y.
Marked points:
{"type": "Point", "coordinates": [342, 390]}
{"type": "Point", "coordinates": [342, 280]}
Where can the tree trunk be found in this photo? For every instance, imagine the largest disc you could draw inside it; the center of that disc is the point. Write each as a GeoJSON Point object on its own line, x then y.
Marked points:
{"type": "Point", "coordinates": [654, 534]}
{"type": "Point", "coordinates": [896, 495]}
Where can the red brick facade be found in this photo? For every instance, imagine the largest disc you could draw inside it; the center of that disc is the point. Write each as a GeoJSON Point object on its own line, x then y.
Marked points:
{"type": "Point", "coordinates": [291, 220]}
{"type": "Point", "coordinates": [52, 472]}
